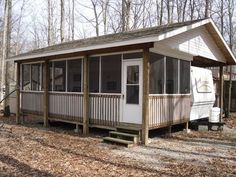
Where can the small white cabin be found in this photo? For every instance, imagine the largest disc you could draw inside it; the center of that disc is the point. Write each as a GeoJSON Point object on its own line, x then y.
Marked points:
{"type": "Point", "coordinates": [137, 78]}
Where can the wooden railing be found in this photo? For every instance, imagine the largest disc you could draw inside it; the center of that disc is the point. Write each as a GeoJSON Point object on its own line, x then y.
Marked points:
{"type": "Point", "coordinates": [105, 109]}
{"type": "Point", "coordinates": [32, 102]}
{"type": "Point", "coordinates": [66, 106]}
{"type": "Point", "coordinates": [168, 109]}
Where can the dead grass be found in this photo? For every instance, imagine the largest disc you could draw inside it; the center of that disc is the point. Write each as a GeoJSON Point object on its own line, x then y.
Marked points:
{"type": "Point", "coordinates": [30, 150]}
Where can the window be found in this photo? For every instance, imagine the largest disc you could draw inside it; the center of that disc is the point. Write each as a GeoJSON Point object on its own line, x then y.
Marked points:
{"type": "Point", "coordinates": [156, 74]}
{"type": "Point", "coordinates": [94, 74]}
{"type": "Point", "coordinates": [74, 76]}
{"type": "Point", "coordinates": [51, 76]}
{"type": "Point", "coordinates": [171, 75]}
{"type": "Point", "coordinates": [26, 77]}
{"type": "Point", "coordinates": [59, 76]}
{"type": "Point", "coordinates": [111, 74]}
{"type": "Point", "coordinates": [184, 77]}
{"type": "Point", "coordinates": [132, 84]}
{"type": "Point", "coordinates": [35, 80]}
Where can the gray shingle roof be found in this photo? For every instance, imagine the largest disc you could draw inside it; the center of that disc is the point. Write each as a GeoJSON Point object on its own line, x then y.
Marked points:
{"type": "Point", "coordinates": [106, 39]}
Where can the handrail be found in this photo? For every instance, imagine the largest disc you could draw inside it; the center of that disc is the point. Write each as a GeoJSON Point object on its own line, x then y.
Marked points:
{"type": "Point", "coordinates": [7, 95]}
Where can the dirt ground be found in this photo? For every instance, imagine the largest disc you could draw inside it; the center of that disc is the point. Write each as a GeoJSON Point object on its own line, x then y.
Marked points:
{"type": "Point", "coordinates": [31, 150]}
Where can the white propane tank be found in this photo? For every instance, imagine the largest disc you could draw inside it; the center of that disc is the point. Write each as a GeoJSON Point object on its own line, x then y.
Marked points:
{"type": "Point", "coordinates": [214, 115]}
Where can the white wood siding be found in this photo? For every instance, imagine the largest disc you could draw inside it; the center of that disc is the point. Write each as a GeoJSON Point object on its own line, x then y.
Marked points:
{"type": "Point", "coordinates": [196, 42]}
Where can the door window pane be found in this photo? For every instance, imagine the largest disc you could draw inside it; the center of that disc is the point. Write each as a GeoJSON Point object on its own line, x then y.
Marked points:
{"type": "Point", "coordinates": [35, 72]}
{"type": "Point", "coordinates": [171, 75]}
{"type": "Point", "coordinates": [111, 74]}
{"type": "Point", "coordinates": [184, 77]}
{"type": "Point", "coordinates": [26, 77]}
{"type": "Point", "coordinates": [132, 74]}
{"type": "Point", "coordinates": [132, 94]}
{"type": "Point", "coordinates": [60, 76]}
{"type": "Point", "coordinates": [74, 75]}
{"type": "Point", "coordinates": [156, 74]}
{"type": "Point", "coordinates": [94, 74]}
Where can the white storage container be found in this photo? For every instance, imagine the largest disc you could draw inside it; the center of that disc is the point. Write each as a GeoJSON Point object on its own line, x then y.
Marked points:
{"type": "Point", "coordinates": [214, 115]}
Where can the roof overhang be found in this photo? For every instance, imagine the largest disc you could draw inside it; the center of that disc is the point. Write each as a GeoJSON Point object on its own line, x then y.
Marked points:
{"type": "Point", "coordinates": [127, 44]}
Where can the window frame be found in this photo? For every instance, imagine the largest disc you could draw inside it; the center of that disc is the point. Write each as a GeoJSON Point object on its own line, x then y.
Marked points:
{"type": "Point", "coordinates": [30, 77]}
{"type": "Point", "coordinates": [66, 79]}
{"type": "Point", "coordinates": [178, 70]}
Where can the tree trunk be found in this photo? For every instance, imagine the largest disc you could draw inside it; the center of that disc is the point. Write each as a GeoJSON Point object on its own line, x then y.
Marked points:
{"type": "Point", "coordinates": [230, 15]}
{"type": "Point", "coordinates": [126, 7]}
{"type": "Point", "coordinates": [73, 20]}
{"type": "Point", "coordinates": [207, 8]}
{"type": "Point", "coordinates": [62, 28]}
{"type": "Point", "coordinates": [50, 33]}
{"type": "Point", "coordinates": [161, 12]}
{"type": "Point", "coordinates": [94, 3]}
{"type": "Point", "coordinates": [6, 38]}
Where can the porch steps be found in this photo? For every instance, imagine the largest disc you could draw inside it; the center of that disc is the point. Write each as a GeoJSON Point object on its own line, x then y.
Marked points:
{"type": "Point", "coordinates": [124, 135]}
{"type": "Point", "coordinates": [118, 141]}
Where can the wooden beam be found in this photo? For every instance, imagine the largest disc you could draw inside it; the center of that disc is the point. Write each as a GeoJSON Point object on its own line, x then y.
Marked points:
{"type": "Point", "coordinates": [145, 112]}
{"type": "Point", "coordinates": [46, 96]}
{"type": "Point", "coordinates": [86, 95]}
{"type": "Point", "coordinates": [17, 93]}
{"type": "Point", "coordinates": [221, 92]}
{"type": "Point", "coordinates": [92, 52]}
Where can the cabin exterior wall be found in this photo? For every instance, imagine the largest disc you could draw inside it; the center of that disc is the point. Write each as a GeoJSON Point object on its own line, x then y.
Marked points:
{"type": "Point", "coordinates": [106, 109]}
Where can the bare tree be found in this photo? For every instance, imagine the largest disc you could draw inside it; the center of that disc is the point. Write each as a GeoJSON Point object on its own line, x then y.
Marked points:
{"type": "Point", "coordinates": [230, 18]}
{"type": "Point", "coordinates": [105, 11]}
{"type": "Point", "coordinates": [207, 8]}
{"type": "Point", "coordinates": [126, 8]}
{"type": "Point", "coordinates": [50, 30]}
{"type": "Point", "coordinates": [96, 15]}
{"type": "Point", "coordinates": [62, 27]}
{"type": "Point", "coordinates": [6, 47]}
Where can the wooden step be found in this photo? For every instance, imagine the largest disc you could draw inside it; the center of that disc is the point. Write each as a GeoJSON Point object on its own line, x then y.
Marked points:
{"type": "Point", "coordinates": [118, 141]}
{"type": "Point", "coordinates": [125, 136]}
{"type": "Point", "coordinates": [131, 130]}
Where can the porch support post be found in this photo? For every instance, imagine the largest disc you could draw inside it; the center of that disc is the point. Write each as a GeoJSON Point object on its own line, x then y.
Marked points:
{"type": "Point", "coordinates": [86, 96]}
{"type": "Point", "coordinates": [145, 116]}
{"type": "Point", "coordinates": [17, 93]}
{"type": "Point", "coordinates": [45, 95]}
{"type": "Point", "coordinates": [221, 92]}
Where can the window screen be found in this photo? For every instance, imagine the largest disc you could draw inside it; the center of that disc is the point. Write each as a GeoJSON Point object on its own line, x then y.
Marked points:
{"type": "Point", "coordinates": [156, 74]}
{"type": "Point", "coordinates": [171, 75]}
{"type": "Point", "coordinates": [111, 74]}
{"type": "Point", "coordinates": [51, 75]}
{"type": "Point", "coordinates": [184, 77]}
{"type": "Point", "coordinates": [35, 73]}
{"type": "Point", "coordinates": [60, 76]}
{"type": "Point", "coordinates": [26, 77]}
{"type": "Point", "coordinates": [74, 76]}
{"type": "Point", "coordinates": [94, 74]}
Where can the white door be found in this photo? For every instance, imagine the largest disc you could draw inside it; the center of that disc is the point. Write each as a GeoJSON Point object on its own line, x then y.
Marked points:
{"type": "Point", "coordinates": [132, 90]}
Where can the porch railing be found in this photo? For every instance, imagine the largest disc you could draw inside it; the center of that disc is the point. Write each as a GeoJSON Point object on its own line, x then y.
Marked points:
{"type": "Point", "coordinates": [32, 102]}
{"type": "Point", "coordinates": [105, 109]}
{"type": "Point", "coordinates": [66, 106]}
{"type": "Point", "coordinates": [166, 110]}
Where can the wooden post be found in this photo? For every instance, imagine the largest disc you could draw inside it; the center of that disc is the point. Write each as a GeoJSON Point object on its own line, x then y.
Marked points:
{"type": "Point", "coordinates": [46, 96]}
{"type": "Point", "coordinates": [17, 93]}
{"type": "Point", "coordinates": [86, 96]}
{"type": "Point", "coordinates": [221, 92]}
{"type": "Point", "coordinates": [145, 116]}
